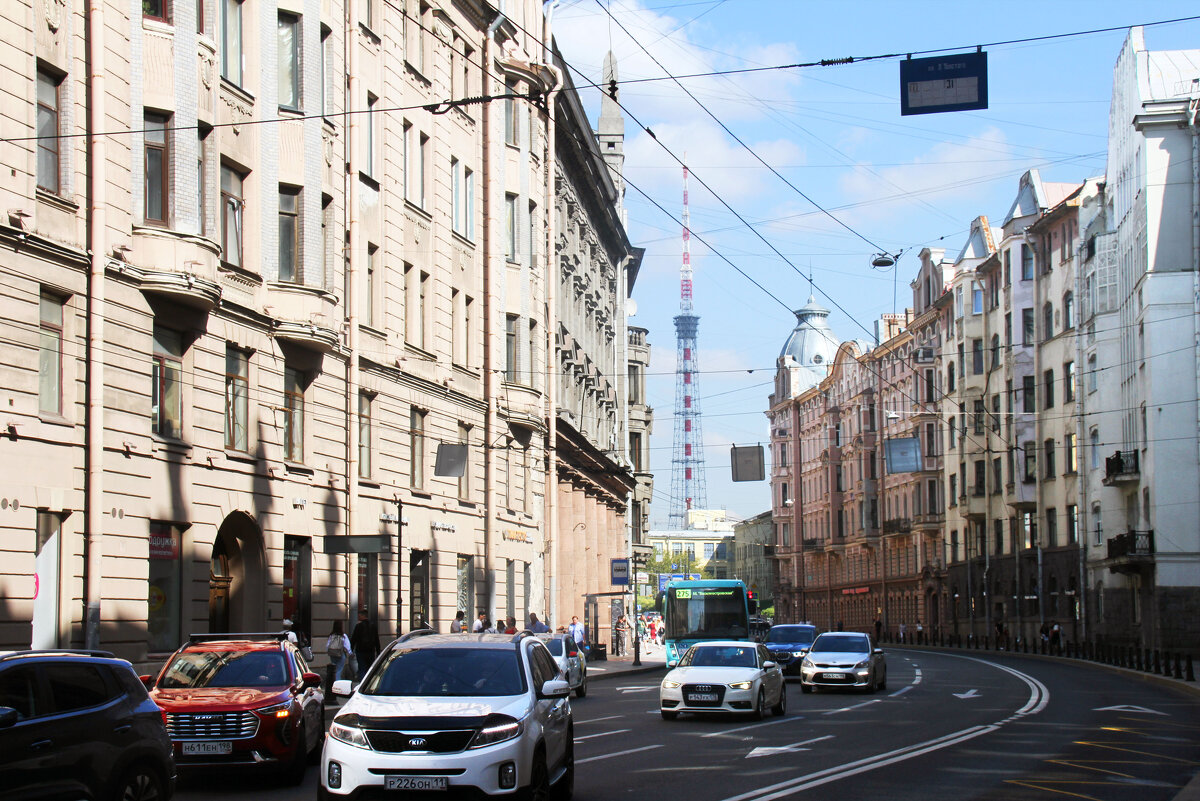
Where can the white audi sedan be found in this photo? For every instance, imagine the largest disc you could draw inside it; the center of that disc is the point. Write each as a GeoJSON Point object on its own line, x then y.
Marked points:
{"type": "Point", "coordinates": [724, 676]}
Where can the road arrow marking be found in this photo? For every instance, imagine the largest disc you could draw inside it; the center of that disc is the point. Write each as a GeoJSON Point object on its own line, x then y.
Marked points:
{"type": "Point", "coordinates": [967, 694]}
{"type": "Point", "coordinates": [1129, 708]}
{"type": "Point", "coordinates": [785, 749]}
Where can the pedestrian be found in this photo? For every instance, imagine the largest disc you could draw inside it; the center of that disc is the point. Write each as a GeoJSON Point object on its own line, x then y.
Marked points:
{"type": "Point", "coordinates": [290, 628]}
{"type": "Point", "coordinates": [489, 627]}
{"type": "Point", "coordinates": [641, 629]}
{"type": "Point", "coordinates": [364, 641]}
{"type": "Point", "coordinates": [298, 638]}
{"type": "Point", "coordinates": [653, 630]}
{"type": "Point", "coordinates": [459, 624]}
{"type": "Point", "coordinates": [903, 630]}
{"type": "Point", "coordinates": [878, 629]}
{"type": "Point", "coordinates": [478, 626]}
{"type": "Point", "coordinates": [337, 648]}
{"type": "Point", "coordinates": [622, 630]}
{"type": "Point", "coordinates": [577, 632]}
{"type": "Point", "coordinates": [537, 626]}
{"type": "Point", "coordinates": [511, 628]}
{"type": "Point", "coordinates": [1045, 634]}
{"type": "Point", "coordinates": [1055, 635]}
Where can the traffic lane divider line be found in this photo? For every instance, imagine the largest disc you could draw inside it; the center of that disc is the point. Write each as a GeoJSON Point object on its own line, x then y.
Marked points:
{"type": "Point", "coordinates": [600, 734]}
{"type": "Point", "coordinates": [724, 732]}
{"type": "Point", "coordinates": [597, 720]}
{"type": "Point", "coordinates": [850, 708]}
{"type": "Point", "coordinates": [617, 754]}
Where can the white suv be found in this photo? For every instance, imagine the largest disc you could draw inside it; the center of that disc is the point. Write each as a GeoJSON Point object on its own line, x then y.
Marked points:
{"type": "Point", "coordinates": [453, 712]}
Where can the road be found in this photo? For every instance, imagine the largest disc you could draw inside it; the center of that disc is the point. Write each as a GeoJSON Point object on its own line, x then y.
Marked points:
{"type": "Point", "coordinates": [950, 726]}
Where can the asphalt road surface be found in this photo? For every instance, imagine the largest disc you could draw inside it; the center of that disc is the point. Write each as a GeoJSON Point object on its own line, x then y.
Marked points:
{"type": "Point", "coordinates": [954, 725]}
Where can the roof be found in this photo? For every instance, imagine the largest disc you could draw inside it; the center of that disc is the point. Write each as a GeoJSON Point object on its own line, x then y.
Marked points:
{"type": "Point", "coordinates": [812, 345]}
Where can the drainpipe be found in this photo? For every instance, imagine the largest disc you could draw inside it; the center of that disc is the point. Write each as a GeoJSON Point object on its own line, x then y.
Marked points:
{"type": "Point", "coordinates": [98, 244]}
{"type": "Point", "coordinates": [353, 89]}
{"type": "Point", "coordinates": [552, 532]}
{"type": "Point", "coordinates": [1195, 112]}
{"type": "Point", "coordinates": [1080, 408]}
{"type": "Point", "coordinates": [489, 381]}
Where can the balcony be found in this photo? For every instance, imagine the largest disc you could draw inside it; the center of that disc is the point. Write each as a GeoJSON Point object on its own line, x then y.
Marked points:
{"type": "Point", "coordinates": [897, 525]}
{"type": "Point", "coordinates": [1129, 552]}
{"type": "Point", "coordinates": [1121, 468]}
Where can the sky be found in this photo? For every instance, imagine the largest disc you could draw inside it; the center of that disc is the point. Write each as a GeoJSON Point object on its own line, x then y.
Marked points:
{"type": "Point", "coordinates": [847, 176]}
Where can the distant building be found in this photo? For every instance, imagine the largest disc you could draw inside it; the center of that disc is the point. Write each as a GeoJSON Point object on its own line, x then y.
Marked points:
{"type": "Point", "coordinates": [705, 547]}
{"type": "Point", "coordinates": [751, 559]}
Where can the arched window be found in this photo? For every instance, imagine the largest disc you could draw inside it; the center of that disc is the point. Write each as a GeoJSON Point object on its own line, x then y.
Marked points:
{"type": "Point", "coordinates": [1068, 310]}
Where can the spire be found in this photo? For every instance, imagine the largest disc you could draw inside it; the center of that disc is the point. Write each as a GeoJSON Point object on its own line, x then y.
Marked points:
{"type": "Point", "coordinates": [611, 132]}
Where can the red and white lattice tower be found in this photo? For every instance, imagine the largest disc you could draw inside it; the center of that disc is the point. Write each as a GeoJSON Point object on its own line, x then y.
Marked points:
{"type": "Point", "coordinates": [687, 451]}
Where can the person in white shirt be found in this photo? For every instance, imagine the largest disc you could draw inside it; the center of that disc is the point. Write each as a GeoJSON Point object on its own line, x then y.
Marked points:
{"type": "Point", "coordinates": [479, 623]}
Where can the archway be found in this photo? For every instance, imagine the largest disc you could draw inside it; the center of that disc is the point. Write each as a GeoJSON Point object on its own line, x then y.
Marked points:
{"type": "Point", "coordinates": [237, 577]}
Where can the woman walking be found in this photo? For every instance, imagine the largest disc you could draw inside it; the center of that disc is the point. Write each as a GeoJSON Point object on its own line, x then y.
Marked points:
{"type": "Point", "coordinates": [337, 646]}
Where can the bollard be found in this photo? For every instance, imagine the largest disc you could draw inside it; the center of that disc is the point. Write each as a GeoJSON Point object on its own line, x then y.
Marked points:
{"type": "Point", "coordinates": [1178, 672]}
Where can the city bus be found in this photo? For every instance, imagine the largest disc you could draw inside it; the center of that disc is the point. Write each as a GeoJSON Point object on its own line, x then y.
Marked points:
{"type": "Point", "coordinates": [695, 610]}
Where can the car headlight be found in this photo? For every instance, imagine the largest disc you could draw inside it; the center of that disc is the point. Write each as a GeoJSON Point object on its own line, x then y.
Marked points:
{"type": "Point", "coordinates": [863, 665]}
{"type": "Point", "coordinates": [497, 729]}
{"type": "Point", "coordinates": [742, 685]}
{"type": "Point", "coordinates": [807, 663]}
{"type": "Point", "coordinates": [797, 653]}
{"type": "Point", "coordinates": [346, 730]}
{"type": "Point", "coordinates": [670, 685]}
{"type": "Point", "coordinates": [275, 710]}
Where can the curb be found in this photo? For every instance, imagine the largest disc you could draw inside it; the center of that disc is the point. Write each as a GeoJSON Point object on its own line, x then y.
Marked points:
{"type": "Point", "coordinates": [633, 671]}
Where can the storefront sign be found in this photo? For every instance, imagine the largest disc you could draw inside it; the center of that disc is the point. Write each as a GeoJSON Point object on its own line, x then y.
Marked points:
{"type": "Point", "coordinates": [164, 546]}
{"type": "Point", "coordinates": [516, 535]}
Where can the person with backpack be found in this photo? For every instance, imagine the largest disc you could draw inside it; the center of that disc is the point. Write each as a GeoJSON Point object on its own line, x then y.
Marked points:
{"type": "Point", "coordinates": [337, 648]}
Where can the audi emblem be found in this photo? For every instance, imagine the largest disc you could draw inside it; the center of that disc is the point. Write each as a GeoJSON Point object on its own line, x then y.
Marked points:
{"type": "Point", "coordinates": [703, 688]}
{"type": "Point", "coordinates": [416, 742]}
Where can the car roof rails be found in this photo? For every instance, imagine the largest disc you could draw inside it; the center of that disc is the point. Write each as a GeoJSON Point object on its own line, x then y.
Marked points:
{"type": "Point", "coordinates": [421, 632]}
{"type": "Point", "coordinates": [58, 652]}
{"type": "Point", "coordinates": [237, 636]}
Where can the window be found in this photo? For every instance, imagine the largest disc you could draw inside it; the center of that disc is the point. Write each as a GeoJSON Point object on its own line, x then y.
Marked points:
{"type": "Point", "coordinates": [289, 234]}
{"type": "Point", "coordinates": [977, 417]}
{"type": "Point", "coordinates": [1008, 328]}
{"type": "Point", "coordinates": [930, 392]}
{"type": "Point", "coordinates": [1030, 449]}
{"type": "Point", "coordinates": [1028, 394]}
{"type": "Point", "coordinates": [202, 179]}
{"type": "Point", "coordinates": [980, 471]}
{"type": "Point", "coordinates": [1047, 321]}
{"type": "Point", "coordinates": [510, 227]}
{"type": "Point", "coordinates": [48, 168]}
{"type": "Point", "coordinates": [231, 41]}
{"type": "Point", "coordinates": [510, 348]}
{"type": "Point", "coordinates": [995, 351]}
{"type": "Point", "coordinates": [1094, 443]}
{"type": "Point", "coordinates": [423, 300]}
{"type": "Point", "coordinates": [464, 481]}
{"type": "Point", "coordinates": [371, 290]}
{"type": "Point", "coordinates": [709, 550]}
{"type": "Point", "coordinates": [1048, 446]}
{"type": "Point", "coordinates": [157, 159]}
{"type": "Point", "coordinates": [232, 204]}
{"type": "Point", "coordinates": [369, 138]}
{"type": "Point", "coordinates": [1092, 371]}
{"type": "Point", "coordinates": [511, 131]}
{"type": "Point", "coordinates": [409, 171]}
{"type": "Point", "coordinates": [950, 377]}
{"type": "Point", "coordinates": [958, 302]}
{"type": "Point", "coordinates": [422, 166]}
{"type": "Point", "coordinates": [1072, 521]}
{"type": "Point", "coordinates": [1048, 389]}
{"type": "Point", "coordinates": [164, 591]}
{"type": "Point", "coordinates": [931, 444]}
{"type": "Point", "coordinates": [50, 357]}
{"type": "Point", "coordinates": [463, 192]}
{"type": "Point", "coordinates": [288, 57]}
{"type": "Point", "coordinates": [995, 414]}
{"type": "Point", "coordinates": [977, 356]}
{"type": "Point", "coordinates": [328, 59]}
{"type": "Point", "coordinates": [952, 429]}
{"type": "Point", "coordinates": [202, 17]}
{"type": "Point", "coordinates": [976, 301]}
{"type": "Point", "coordinates": [1068, 308]}
{"type": "Point", "coordinates": [293, 406]}
{"type": "Point", "coordinates": [533, 336]}
{"type": "Point", "coordinates": [1028, 335]}
{"type": "Point", "coordinates": [997, 475]}
{"type": "Point", "coordinates": [1070, 458]}
{"type": "Point", "coordinates": [1068, 382]}
{"type": "Point", "coordinates": [157, 9]}
{"type": "Point", "coordinates": [167, 376]}
{"type": "Point", "coordinates": [1051, 527]}
{"type": "Point", "coordinates": [1026, 263]}
{"type": "Point", "coordinates": [237, 398]}
{"type": "Point", "coordinates": [416, 448]}
{"type": "Point", "coordinates": [954, 490]}
{"type": "Point", "coordinates": [364, 435]}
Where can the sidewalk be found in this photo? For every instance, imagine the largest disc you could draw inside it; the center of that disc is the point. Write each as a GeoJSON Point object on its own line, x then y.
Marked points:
{"type": "Point", "coordinates": [653, 660]}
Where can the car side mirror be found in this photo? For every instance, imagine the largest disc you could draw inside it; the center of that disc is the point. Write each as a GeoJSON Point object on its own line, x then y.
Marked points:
{"type": "Point", "coordinates": [147, 682]}
{"type": "Point", "coordinates": [768, 665]}
{"type": "Point", "coordinates": [555, 688]}
{"type": "Point", "coordinates": [8, 717]}
{"type": "Point", "coordinates": [311, 679]}
{"type": "Point", "coordinates": [343, 688]}
{"type": "Point", "coordinates": [878, 650]}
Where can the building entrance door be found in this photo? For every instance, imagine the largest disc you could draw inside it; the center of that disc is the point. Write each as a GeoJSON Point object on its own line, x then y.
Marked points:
{"type": "Point", "coordinates": [219, 581]}
{"type": "Point", "coordinates": [418, 590]}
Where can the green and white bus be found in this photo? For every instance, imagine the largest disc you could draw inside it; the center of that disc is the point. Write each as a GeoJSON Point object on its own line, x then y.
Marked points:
{"type": "Point", "coordinates": [696, 610]}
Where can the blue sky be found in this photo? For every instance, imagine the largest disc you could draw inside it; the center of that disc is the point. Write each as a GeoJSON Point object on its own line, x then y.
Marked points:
{"type": "Point", "coordinates": [882, 182]}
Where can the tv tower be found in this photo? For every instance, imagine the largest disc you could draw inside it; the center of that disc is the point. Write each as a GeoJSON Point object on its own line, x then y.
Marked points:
{"type": "Point", "coordinates": [687, 451]}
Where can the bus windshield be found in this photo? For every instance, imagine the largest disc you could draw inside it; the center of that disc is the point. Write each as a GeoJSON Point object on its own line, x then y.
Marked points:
{"type": "Point", "coordinates": [707, 613]}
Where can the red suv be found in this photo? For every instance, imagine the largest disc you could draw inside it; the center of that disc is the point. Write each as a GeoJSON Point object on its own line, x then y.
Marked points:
{"type": "Point", "coordinates": [242, 699]}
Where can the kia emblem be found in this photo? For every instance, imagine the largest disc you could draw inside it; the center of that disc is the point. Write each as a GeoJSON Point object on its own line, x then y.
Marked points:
{"type": "Point", "coordinates": [416, 742]}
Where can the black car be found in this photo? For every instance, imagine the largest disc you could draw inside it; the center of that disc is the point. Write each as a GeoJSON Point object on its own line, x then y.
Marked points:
{"type": "Point", "coordinates": [788, 643]}
{"type": "Point", "coordinates": [79, 724]}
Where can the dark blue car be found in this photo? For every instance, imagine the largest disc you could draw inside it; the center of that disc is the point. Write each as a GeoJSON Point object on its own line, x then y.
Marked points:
{"type": "Point", "coordinates": [788, 643]}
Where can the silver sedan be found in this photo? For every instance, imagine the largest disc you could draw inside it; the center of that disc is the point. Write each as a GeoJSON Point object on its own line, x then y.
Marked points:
{"type": "Point", "coordinates": [844, 659]}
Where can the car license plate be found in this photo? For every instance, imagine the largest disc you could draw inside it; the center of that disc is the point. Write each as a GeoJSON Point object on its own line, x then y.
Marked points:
{"type": "Point", "coordinates": [415, 782]}
{"type": "Point", "coordinates": [834, 676]}
{"type": "Point", "coordinates": [223, 747]}
{"type": "Point", "coordinates": [711, 697]}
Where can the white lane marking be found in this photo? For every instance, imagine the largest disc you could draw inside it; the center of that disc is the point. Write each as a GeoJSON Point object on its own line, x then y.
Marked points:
{"type": "Point", "coordinates": [1039, 696]}
{"type": "Point", "coordinates": [601, 734]}
{"type": "Point", "coordinates": [763, 750]}
{"type": "Point", "coordinates": [856, 706]}
{"type": "Point", "coordinates": [617, 754]}
{"type": "Point", "coordinates": [636, 689]}
{"type": "Point", "coordinates": [723, 732]}
{"type": "Point", "coordinates": [901, 691]}
{"type": "Point", "coordinates": [597, 720]}
{"type": "Point", "coordinates": [916, 675]}
{"type": "Point", "coordinates": [1129, 708]}
{"type": "Point", "coordinates": [972, 693]}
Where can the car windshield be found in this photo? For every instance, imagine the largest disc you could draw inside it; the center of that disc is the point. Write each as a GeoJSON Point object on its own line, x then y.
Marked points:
{"type": "Point", "coordinates": [802, 634]}
{"type": "Point", "coordinates": [840, 643]}
{"type": "Point", "coordinates": [719, 656]}
{"type": "Point", "coordinates": [195, 669]}
{"type": "Point", "coordinates": [447, 672]}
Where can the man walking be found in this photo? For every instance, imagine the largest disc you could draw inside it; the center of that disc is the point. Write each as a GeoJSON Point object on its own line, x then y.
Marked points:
{"type": "Point", "coordinates": [478, 626]}
{"type": "Point", "coordinates": [577, 632]}
{"type": "Point", "coordinates": [537, 626]}
{"type": "Point", "coordinates": [365, 642]}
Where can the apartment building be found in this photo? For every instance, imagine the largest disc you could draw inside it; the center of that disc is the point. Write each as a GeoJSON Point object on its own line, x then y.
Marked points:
{"type": "Point", "coordinates": [295, 315]}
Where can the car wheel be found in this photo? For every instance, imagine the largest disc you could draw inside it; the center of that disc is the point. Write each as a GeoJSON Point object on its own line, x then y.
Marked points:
{"type": "Point", "coordinates": [564, 788]}
{"type": "Point", "coordinates": [293, 773]}
{"type": "Point", "coordinates": [668, 715]}
{"type": "Point", "coordinates": [805, 688]}
{"type": "Point", "coordinates": [780, 709]}
{"type": "Point", "coordinates": [140, 783]}
{"type": "Point", "coordinates": [581, 690]}
{"type": "Point", "coordinates": [314, 756]}
{"type": "Point", "coordinates": [883, 681]}
{"type": "Point", "coordinates": [539, 779]}
{"type": "Point", "coordinates": [760, 704]}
